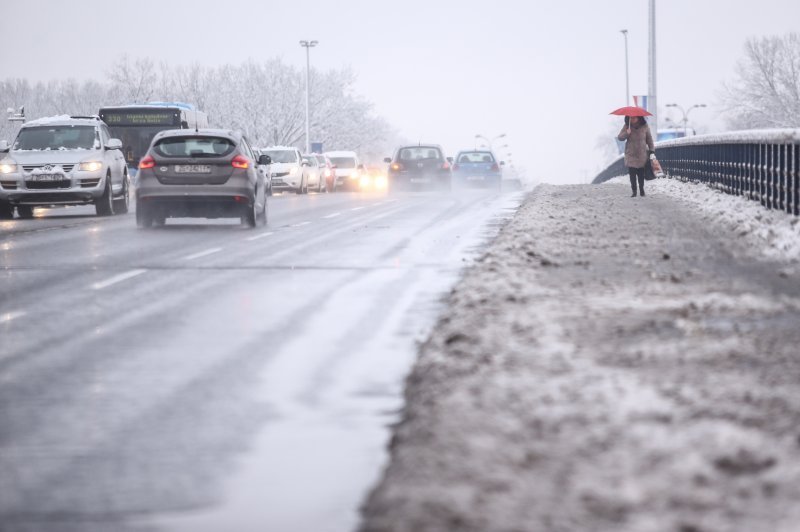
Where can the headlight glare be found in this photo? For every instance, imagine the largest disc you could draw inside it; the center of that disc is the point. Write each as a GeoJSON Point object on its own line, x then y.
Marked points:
{"type": "Point", "coordinates": [91, 166]}
{"type": "Point", "coordinates": [7, 168]}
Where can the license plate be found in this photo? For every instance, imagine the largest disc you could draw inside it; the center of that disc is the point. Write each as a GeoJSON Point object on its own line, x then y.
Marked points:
{"type": "Point", "coordinates": [192, 169]}
{"type": "Point", "coordinates": [46, 177]}
{"type": "Point", "coordinates": [419, 179]}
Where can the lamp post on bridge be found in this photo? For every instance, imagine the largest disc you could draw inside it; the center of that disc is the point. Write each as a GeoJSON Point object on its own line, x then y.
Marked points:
{"type": "Point", "coordinates": [308, 45]}
{"type": "Point", "coordinates": [627, 76]}
{"type": "Point", "coordinates": [488, 141]}
{"type": "Point", "coordinates": [685, 113]}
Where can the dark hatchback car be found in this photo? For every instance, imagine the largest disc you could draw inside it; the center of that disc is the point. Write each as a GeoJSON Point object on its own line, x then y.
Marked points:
{"type": "Point", "coordinates": [207, 174]}
{"type": "Point", "coordinates": [421, 166]}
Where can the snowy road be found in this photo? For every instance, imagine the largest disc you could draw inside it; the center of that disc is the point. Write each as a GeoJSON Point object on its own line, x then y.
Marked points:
{"type": "Point", "coordinates": [209, 377]}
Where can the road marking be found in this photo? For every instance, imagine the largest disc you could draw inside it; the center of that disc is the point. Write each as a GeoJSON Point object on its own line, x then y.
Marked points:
{"type": "Point", "coordinates": [202, 254]}
{"type": "Point", "coordinates": [377, 204]}
{"type": "Point", "coordinates": [357, 209]}
{"type": "Point", "coordinates": [10, 316]}
{"type": "Point", "coordinates": [334, 215]}
{"type": "Point", "coordinates": [301, 224]}
{"type": "Point", "coordinates": [117, 279]}
{"type": "Point", "coordinates": [257, 237]}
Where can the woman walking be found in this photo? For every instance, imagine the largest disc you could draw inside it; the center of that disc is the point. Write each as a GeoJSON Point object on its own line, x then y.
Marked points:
{"type": "Point", "coordinates": [638, 147]}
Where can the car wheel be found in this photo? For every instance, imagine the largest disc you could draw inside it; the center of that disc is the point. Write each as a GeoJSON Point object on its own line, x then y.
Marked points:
{"type": "Point", "coordinates": [250, 216]}
{"type": "Point", "coordinates": [25, 211]}
{"type": "Point", "coordinates": [299, 189]}
{"type": "Point", "coordinates": [144, 216]}
{"type": "Point", "coordinates": [6, 211]}
{"type": "Point", "coordinates": [104, 205]}
{"type": "Point", "coordinates": [122, 204]}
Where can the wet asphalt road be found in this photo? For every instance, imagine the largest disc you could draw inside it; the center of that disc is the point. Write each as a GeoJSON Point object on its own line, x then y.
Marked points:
{"type": "Point", "coordinates": [203, 376]}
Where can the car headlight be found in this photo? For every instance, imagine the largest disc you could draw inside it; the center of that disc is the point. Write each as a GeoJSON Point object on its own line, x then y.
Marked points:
{"type": "Point", "coordinates": [293, 170]}
{"type": "Point", "coordinates": [365, 181]}
{"type": "Point", "coordinates": [7, 167]}
{"type": "Point", "coordinates": [91, 166]}
{"type": "Point", "coordinates": [354, 175]}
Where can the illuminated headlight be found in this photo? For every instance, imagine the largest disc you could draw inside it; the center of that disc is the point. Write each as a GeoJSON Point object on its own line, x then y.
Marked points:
{"type": "Point", "coordinates": [91, 166]}
{"type": "Point", "coordinates": [7, 167]}
{"type": "Point", "coordinates": [380, 181]}
{"type": "Point", "coordinates": [354, 175]}
{"type": "Point", "coordinates": [365, 181]}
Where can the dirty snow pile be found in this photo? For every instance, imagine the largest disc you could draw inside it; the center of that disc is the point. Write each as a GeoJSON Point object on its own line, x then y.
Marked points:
{"type": "Point", "coordinates": [775, 233]}
{"type": "Point", "coordinates": [610, 364]}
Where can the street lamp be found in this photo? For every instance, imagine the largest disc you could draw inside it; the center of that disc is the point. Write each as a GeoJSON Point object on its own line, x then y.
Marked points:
{"type": "Point", "coordinates": [488, 141]}
{"type": "Point", "coordinates": [686, 114]}
{"type": "Point", "coordinates": [308, 45]}
{"type": "Point", "coordinates": [627, 77]}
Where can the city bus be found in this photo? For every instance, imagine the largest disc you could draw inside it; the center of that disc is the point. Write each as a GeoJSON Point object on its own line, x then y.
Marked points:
{"type": "Point", "coordinates": [136, 125]}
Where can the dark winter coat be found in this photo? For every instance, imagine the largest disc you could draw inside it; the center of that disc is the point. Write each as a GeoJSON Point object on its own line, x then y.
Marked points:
{"type": "Point", "coordinates": [640, 142]}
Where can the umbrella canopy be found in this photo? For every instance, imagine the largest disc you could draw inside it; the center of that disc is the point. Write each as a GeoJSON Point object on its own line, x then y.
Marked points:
{"type": "Point", "coordinates": [631, 111]}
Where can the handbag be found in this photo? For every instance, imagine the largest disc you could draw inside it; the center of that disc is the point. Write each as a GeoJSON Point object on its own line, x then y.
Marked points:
{"type": "Point", "coordinates": [653, 168]}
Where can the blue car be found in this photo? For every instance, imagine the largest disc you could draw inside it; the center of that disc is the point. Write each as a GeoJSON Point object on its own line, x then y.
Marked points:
{"type": "Point", "coordinates": [477, 168]}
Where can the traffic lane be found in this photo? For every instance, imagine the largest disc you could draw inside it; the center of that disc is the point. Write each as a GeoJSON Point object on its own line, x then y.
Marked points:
{"type": "Point", "coordinates": [137, 385]}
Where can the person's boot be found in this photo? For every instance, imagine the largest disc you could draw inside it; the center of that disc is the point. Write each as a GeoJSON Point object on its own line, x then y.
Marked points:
{"type": "Point", "coordinates": [641, 192]}
{"type": "Point", "coordinates": [634, 193]}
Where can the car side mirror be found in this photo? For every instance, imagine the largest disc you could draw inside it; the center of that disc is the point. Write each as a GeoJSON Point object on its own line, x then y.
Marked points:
{"type": "Point", "coordinates": [387, 160]}
{"type": "Point", "coordinates": [360, 166]}
{"type": "Point", "coordinates": [450, 160]}
{"type": "Point", "coordinates": [114, 144]}
{"type": "Point", "coordinates": [305, 163]}
{"type": "Point", "coordinates": [502, 163]}
{"type": "Point", "coordinates": [4, 145]}
{"type": "Point", "coordinates": [265, 160]}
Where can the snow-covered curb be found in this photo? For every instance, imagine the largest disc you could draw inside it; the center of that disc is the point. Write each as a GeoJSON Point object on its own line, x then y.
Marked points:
{"type": "Point", "coordinates": [773, 233]}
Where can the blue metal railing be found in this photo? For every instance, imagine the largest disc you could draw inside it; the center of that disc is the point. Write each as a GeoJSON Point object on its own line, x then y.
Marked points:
{"type": "Point", "coordinates": [761, 165]}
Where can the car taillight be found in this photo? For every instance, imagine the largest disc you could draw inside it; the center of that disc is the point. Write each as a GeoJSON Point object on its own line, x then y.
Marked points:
{"type": "Point", "coordinates": [147, 162]}
{"type": "Point", "coordinates": [241, 162]}
{"type": "Point", "coordinates": [495, 168]}
{"type": "Point", "coordinates": [396, 167]}
{"type": "Point", "coordinates": [446, 166]}
{"type": "Point", "coordinates": [327, 172]}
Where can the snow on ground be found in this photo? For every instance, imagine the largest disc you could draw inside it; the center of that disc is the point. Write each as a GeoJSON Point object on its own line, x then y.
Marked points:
{"type": "Point", "coordinates": [774, 233]}
{"type": "Point", "coordinates": [611, 364]}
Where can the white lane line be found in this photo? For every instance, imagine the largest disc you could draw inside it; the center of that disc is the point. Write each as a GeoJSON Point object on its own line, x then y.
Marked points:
{"type": "Point", "coordinates": [258, 237]}
{"type": "Point", "coordinates": [377, 204]}
{"type": "Point", "coordinates": [117, 279]}
{"type": "Point", "coordinates": [334, 215]}
{"type": "Point", "coordinates": [301, 224]}
{"type": "Point", "coordinates": [357, 209]}
{"type": "Point", "coordinates": [10, 316]}
{"type": "Point", "coordinates": [202, 254]}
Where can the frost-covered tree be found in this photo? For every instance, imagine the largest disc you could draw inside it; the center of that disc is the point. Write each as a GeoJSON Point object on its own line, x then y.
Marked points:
{"type": "Point", "coordinates": [765, 92]}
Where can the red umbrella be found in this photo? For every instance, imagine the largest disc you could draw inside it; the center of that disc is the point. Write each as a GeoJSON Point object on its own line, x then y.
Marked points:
{"type": "Point", "coordinates": [631, 111]}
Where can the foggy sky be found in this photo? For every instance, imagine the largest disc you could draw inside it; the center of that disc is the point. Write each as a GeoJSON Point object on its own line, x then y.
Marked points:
{"type": "Point", "coordinates": [545, 73]}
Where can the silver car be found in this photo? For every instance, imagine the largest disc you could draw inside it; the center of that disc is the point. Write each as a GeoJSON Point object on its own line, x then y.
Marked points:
{"type": "Point", "coordinates": [63, 160]}
{"type": "Point", "coordinates": [208, 173]}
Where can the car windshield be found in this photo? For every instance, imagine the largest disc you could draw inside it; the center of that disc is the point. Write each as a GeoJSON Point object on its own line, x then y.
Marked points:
{"type": "Point", "coordinates": [343, 162]}
{"type": "Point", "coordinates": [475, 157]}
{"type": "Point", "coordinates": [56, 138]}
{"type": "Point", "coordinates": [194, 147]}
{"type": "Point", "coordinates": [418, 153]}
{"type": "Point", "coordinates": [282, 156]}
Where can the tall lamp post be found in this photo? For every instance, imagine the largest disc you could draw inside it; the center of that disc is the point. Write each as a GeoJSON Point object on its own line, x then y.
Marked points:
{"type": "Point", "coordinates": [627, 76]}
{"type": "Point", "coordinates": [685, 113]}
{"type": "Point", "coordinates": [488, 141]}
{"type": "Point", "coordinates": [308, 45]}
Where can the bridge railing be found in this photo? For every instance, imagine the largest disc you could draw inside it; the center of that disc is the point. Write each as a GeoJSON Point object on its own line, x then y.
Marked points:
{"type": "Point", "coordinates": [761, 165]}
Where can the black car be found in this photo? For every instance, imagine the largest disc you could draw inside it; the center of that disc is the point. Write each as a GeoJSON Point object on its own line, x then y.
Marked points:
{"type": "Point", "coordinates": [207, 173]}
{"type": "Point", "coordinates": [417, 167]}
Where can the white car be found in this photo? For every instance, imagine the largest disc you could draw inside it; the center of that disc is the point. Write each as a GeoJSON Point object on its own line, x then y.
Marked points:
{"type": "Point", "coordinates": [316, 178]}
{"type": "Point", "coordinates": [63, 160]}
{"type": "Point", "coordinates": [348, 169]}
{"type": "Point", "coordinates": [288, 172]}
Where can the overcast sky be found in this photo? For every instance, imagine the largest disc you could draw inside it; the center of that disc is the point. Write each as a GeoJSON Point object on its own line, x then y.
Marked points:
{"type": "Point", "coordinates": [544, 73]}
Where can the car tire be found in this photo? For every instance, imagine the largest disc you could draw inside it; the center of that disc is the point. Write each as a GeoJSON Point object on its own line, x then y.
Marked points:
{"type": "Point", "coordinates": [6, 211]}
{"type": "Point", "coordinates": [250, 216]}
{"type": "Point", "coordinates": [104, 205]}
{"type": "Point", "coordinates": [122, 204]}
{"type": "Point", "coordinates": [144, 216]}
{"type": "Point", "coordinates": [299, 189]}
{"type": "Point", "coordinates": [25, 211]}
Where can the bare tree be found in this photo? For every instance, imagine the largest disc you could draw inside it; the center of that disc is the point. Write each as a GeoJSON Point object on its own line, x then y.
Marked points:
{"type": "Point", "coordinates": [766, 90]}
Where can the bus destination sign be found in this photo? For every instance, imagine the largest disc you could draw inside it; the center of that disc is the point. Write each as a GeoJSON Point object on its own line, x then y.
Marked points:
{"type": "Point", "coordinates": [140, 118]}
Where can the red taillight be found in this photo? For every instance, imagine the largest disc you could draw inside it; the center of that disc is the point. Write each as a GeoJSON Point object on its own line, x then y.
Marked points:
{"type": "Point", "coordinates": [240, 199]}
{"type": "Point", "coordinates": [446, 166]}
{"type": "Point", "coordinates": [495, 168]}
{"type": "Point", "coordinates": [241, 162]}
{"type": "Point", "coordinates": [146, 163]}
{"type": "Point", "coordinates": [396, 167]}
